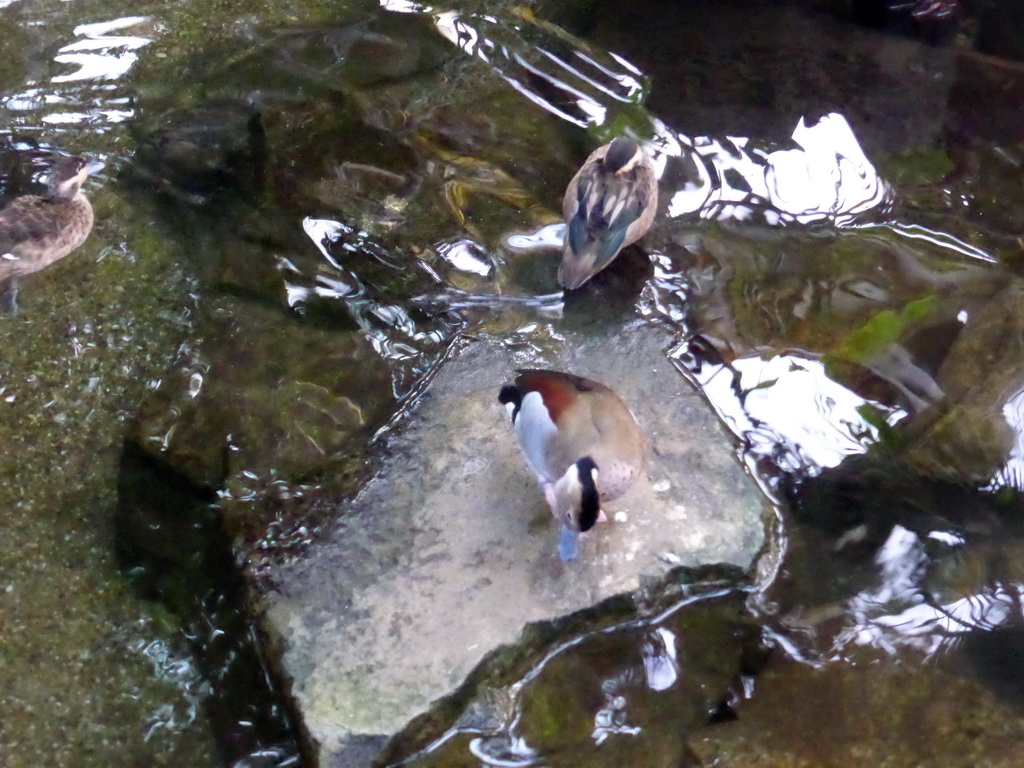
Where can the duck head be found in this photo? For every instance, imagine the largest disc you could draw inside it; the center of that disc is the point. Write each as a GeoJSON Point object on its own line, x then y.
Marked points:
{"type": "Point", "coordinates": [622, 156]}
{"type": "Point", "coordinates": [578, 504]}
{"type": "Point", "coordinates": [67, 175]}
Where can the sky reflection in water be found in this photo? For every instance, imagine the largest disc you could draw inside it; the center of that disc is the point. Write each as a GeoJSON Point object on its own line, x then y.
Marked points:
{"type": "Point", "coordinates": [88, 93]}
{"type": "Point", "coordinates": [898, 612]}
{"type": "Point", "coordinates": [100, 56]}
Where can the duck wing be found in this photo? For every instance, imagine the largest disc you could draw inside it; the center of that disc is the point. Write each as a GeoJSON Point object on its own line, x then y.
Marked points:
{"type": "Point", "coordinates": [35, 232]}
{"type": "Point", "coordinates": [551, 418]}
{"type": "Point", "coordinates": [22, 221]}
{"type": "Point", "coordinates": [605, 206]}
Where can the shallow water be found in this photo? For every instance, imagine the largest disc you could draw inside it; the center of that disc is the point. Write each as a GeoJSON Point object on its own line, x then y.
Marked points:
{"type": "Point", "coordinates": [306, 206]}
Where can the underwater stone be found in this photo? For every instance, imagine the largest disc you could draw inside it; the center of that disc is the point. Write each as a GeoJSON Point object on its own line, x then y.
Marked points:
{"type": "Point", "coordinates": [450, 550]}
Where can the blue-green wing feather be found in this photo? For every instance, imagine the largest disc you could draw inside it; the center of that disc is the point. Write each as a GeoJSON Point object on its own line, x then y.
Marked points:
{"type": "Point", "coordinates": [589, 228]}
{"type": "Point", "coordinates": [610, 246]}
{"type": "Point", "coordinates": [578, 223]}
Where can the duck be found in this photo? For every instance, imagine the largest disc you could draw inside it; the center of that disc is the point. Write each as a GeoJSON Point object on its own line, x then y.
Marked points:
{"type": "Point", "coordinates": [36, 231]}
{"type": "Point", "coordinates": [580, 440]}
{"type": "Point", "coordinates": [609, 204]}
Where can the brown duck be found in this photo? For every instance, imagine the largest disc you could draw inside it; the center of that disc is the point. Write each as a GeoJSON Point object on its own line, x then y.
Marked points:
{"type": "Point", "coordinates": [37, 231]}
{"type": "Point", "coordinates": [610, 203]}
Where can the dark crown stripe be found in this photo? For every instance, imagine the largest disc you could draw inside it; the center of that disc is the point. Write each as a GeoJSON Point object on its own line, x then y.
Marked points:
{"type": "Point", "coordinates": [590, 499]}
{"type": "Point", "coordinates": [511, 394]}
{"type": "Point", "coordinates": [619, 153]}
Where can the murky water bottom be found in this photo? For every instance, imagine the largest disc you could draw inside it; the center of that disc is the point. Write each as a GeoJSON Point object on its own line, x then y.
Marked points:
{"type": "Point", "coordinates": [305, 207]}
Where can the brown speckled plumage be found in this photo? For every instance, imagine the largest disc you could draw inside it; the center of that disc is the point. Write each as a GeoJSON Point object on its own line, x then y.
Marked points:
{"type": "Point", "coordinates": [37, 231]}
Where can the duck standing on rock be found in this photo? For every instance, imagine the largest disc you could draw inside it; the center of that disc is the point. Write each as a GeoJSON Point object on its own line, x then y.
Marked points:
{"type": "Point", "coordinates": [609, 204]}
{"type": "Point", "coordinates": [37, 231]}
{"type": "Point", "coordinates": [581, 442]}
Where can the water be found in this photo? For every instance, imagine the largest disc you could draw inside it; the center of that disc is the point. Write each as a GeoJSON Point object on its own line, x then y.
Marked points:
{"type": "Point", "coordinates": [305, 206]}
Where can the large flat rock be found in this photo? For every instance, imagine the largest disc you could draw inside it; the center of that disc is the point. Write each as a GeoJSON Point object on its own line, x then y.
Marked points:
{"type": "Point", "coordinates": [451, 550]}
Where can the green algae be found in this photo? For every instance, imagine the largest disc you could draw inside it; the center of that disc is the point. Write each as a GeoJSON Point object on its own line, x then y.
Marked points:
{"type": "Point", "coordinates": [883, 330]}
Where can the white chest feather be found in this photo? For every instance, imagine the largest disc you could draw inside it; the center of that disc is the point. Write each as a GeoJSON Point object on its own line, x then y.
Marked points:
{"type": "Point", "coordinates": [534, 428]}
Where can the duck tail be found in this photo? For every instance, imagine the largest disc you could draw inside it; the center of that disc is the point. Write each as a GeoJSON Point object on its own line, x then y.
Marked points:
{"type": "Point", "coordinates": [591, 255]}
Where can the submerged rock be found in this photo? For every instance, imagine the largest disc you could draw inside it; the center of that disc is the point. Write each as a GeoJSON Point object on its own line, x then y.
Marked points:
{"type": "Point", "coordinates": [906, 715]}
{"type": "Point", "coordinates": [450, 550]}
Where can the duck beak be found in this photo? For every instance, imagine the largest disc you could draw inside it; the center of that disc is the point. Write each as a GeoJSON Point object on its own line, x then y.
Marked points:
{"type": "Point", "coordinates": [95, 166]}
{"type": "Point", "coordinates": [573, 273]}
{"type": "Point", "coordinates": [568, 543]}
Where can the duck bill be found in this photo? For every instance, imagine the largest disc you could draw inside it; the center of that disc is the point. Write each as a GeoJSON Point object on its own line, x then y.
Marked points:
{"type": "Point", "coordinates": [568, 544]}
{"type": "Point", "coordinates": [573, 272]}
{"type": "Point", "coordinates": [95, 166]}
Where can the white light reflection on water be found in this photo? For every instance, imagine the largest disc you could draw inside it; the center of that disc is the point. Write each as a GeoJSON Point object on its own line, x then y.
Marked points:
{"type": "Point", "coordinates": [787, 409]}
{"type": "Point", "coordinates": [548, 236]}
{"type": "Point", "coordinates": [503, 751]}
{"type": "Point", "coordinates": [580, 80]}
{"type": "Point", "coordinates": [387, 326]}
{"type": "Point", "coordinates": [404, 6]}
{"type": "Point", "coordinates": [942, 240]}
{"type": "Point", "coordinates": [630, 85]}
{"type": "Point", "coordinates": [1012, 474]}
{"type": "Point", "coordinates": [466, 256]}
{"type": "Point", "coordinates": [829, 173]}
{"type": "Point", "coordinates": [86, 94]}
{"type": "Point", "coordinates": [826, 177]}
{"type": "Point", "coordinates": [109, 115]}
{"type": "Point", "coordinates": [899, 614]}
{"type": "Point", "coordinates": [177, 669]}
{"type": "Point", "coordinates": [611, 718]}
{"type": "Point", "coordinates": [323, 232]}
{"type": "Point", "coordinates": [99, 56]}
{"type": "Point", "coordinates": [546, 305]}
{"type": "Point", "coordinates": [661, 668]}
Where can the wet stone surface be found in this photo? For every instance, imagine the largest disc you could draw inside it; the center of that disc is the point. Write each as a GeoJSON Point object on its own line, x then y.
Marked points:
{"type": "Point", "coordinates": [450, 550]}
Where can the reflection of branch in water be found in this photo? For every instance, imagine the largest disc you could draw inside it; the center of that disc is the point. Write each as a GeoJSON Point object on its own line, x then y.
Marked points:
{"type": "Point", "coordinates": [896, 366]}
{"type": "Point", "coordinates": [995, 62]}
{"type": "Point", "coordinates": [549, 76]}
{"type": "Point", "coordinates": [984, 602]}
{"type": "Point", "coordinates": [914, 271]}
{"type": "Point", "coordinates": [455, 299]}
